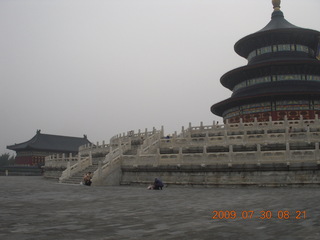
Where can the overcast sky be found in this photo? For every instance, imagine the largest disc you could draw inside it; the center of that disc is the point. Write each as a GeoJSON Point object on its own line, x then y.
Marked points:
{"type": "Point", "coordinates": [103, 67]}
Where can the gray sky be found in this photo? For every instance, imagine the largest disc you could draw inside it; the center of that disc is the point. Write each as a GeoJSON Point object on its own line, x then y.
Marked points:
{"type": "Point", "coordinates": [103, 67]}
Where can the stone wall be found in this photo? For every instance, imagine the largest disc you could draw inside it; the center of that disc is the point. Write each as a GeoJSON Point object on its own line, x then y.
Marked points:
{"type": "Point", "coordinates": [272, 175]}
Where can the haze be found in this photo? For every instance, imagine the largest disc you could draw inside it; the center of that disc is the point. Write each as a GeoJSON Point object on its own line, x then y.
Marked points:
{"type": "Point", "coordinates": [104, 67]}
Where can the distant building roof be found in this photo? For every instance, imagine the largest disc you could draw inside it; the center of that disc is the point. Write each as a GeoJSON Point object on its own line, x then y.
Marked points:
{"type": "Point", "coordinates": [52, 143]}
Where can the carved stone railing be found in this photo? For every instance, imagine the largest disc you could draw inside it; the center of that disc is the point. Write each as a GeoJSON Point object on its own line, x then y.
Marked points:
{"type": "Point", "coordinates": [117, 140]}
{"type": "Point", "coordinates": [60, 160]}
{"type": "Point", "coordinates": [151, 143]}
{"type": "Point", "coordinates": [269, 125]}
{"type": "Point", "coordinates": [75, 168]}
{"type": "Point", "coordinates": [228, 158]}
{"type": "Point", "coordinates": [290, 131]}
{"type": "Point", "coordinates": [106, 170]}
{"type": "Point", "coordinates": [94, 148]}
{"type": "Point", "coordinates": [111, 163]}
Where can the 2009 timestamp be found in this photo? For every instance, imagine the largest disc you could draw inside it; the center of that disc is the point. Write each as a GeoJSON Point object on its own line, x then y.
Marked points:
{"type": "Point", "coordinates": [264, 214]}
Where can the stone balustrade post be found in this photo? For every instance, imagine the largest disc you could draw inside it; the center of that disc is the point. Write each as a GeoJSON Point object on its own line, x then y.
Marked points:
{"type": "Point", "coordinates": [265, 135]}
{"type": "Point", "coordinates": [240, 124]}
{"type": "Point", "coordinates": [227, 125]}
{"type": "Point", "coordinates": [258, 154]}
{"type": "Point", "coordinates": [287, 133]}
{"type": "Point", "coordinates": [204, 155]}
{"type": "Point", "coordinates": [175, 135]}
{"type": "Point", "coordinates": [190, 129]}
{"type": "Point", "coordinates": [285, 121]}
{"type": "Point", "coordinates": [119, 143]}
{"type": "Point", "coordinates": [308, 133]}
{"type": "Point", "coordinates": [230, 153]}
{"type": "Point", "coordinates": [180, 156]}
{"type": "Point", "coordinates": [301, 121]}
{"type": "Point", "coordinates": [316, 118]}
{"type": "Point", "coordinates": [244, 137]}
{"type": "Point", "coordinates": [288, 155]}
{"type": "Point", "coordinates": [225, 135]}
{"type": "Point", "coordinates": [207, 138]}
{"type": "Point", "coordinates": [162, 132]}
{"type": "Point", "coordinates": [90, 158]}
{"type": "Point", "coordinates": [68, 170]}
{"type": "Point", "coordinates": [158, 158]}
{"type": "Point", "coordinates": [182, 132]}
{"type": "Point", "coordinates": [255, 122]}
{"type": "Point", "coordinates": [317, 152]}
{"type": "Point", "coordinates": [129, 143]}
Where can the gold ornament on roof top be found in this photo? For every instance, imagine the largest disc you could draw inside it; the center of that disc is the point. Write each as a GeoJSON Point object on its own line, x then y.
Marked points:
{"type": "Point", "coordinates": [276, 4]}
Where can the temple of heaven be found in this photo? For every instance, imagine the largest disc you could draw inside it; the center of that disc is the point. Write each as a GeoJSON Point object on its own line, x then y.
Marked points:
{"type": "Point", "coordinates": [281, 79]}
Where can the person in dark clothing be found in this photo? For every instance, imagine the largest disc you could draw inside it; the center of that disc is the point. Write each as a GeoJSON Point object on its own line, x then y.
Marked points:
{"type": "Point", "coordinates": [87, 179]}
{"type": "Point", "coordinates": [157, 185]}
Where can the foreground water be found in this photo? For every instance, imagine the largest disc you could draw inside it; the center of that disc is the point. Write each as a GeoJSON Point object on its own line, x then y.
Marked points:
{"type": "Point", "coordinates": [35, 208]}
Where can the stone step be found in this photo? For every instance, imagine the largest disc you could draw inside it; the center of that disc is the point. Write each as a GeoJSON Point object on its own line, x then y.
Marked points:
{"type": "Point", "coordinates": [78, 177]}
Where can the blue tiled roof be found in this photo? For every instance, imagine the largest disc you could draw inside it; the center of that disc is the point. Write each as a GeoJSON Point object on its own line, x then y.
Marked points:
{"type": "Point", "coordinates": [48, 142]}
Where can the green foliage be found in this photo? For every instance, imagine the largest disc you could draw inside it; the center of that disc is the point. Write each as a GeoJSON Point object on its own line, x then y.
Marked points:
{"type": "Point", "coordinates": [6, 159]}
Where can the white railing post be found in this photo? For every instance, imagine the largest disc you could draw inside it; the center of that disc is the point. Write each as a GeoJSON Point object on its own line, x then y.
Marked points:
{"type": "Point", "coordinates": [308, 133]}
{"type": "Point", "coordinates": [90, 158]}
{"type": "Point", "coordinates": [68, 170]}
{"type": "Point", "coordinates": [180, 156]}
{"type": "Point", "coordinates": [225, 135]}
{"type": "Point", "coordinates": [204, 155]}
{"type": "Point", "coordinates": [182, 131]}
{"type": "Point", "coordinates": [301, 121]}
{"type": "Point", "coordinates": [317, 152]}
{"type": "Point", "coordinates": [158, 158]}
{"type": "Point", "coordinates": [288, 155]}
{"type": "Point", "coordinates": [258, 154]}
{"type": "Point", "coordinates": [230, 153]}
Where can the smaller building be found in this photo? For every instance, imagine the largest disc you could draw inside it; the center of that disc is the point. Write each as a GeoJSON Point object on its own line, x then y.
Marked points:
{"type": "Point", "coordinates": [34, 151]}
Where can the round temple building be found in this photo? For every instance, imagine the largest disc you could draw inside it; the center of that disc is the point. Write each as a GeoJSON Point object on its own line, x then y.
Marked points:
{"type": "Point", "coordinates": [281, 79]}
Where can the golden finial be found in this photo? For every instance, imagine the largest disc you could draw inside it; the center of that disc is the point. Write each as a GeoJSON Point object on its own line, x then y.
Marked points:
{"type": "Point", "coordinates": [276, 4]}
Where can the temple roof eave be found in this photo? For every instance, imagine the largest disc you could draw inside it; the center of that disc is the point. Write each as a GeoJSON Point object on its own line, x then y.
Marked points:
{"type": "Point", "coordinates": [237, 75]}
{"type": "Point", "coordinates": [260, 39]}
{"type": "Point", "coordinates": [276, 87]}
{"type": "Point", "coordinates": [50, 143]}
{"type": "Point", "coordinates": [222, 106]}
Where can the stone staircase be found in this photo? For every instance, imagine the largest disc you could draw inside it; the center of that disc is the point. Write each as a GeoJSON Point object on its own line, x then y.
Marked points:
{"type": "Point", "coordinates": [78, 177]}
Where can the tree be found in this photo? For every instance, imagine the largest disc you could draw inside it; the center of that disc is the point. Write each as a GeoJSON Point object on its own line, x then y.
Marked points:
{"type": "Point", "coordinates": [6, 159]}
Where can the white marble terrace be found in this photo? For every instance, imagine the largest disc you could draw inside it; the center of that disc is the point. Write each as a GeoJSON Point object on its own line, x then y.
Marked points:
{"type": "Point", "coordinates": [287, 141]}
